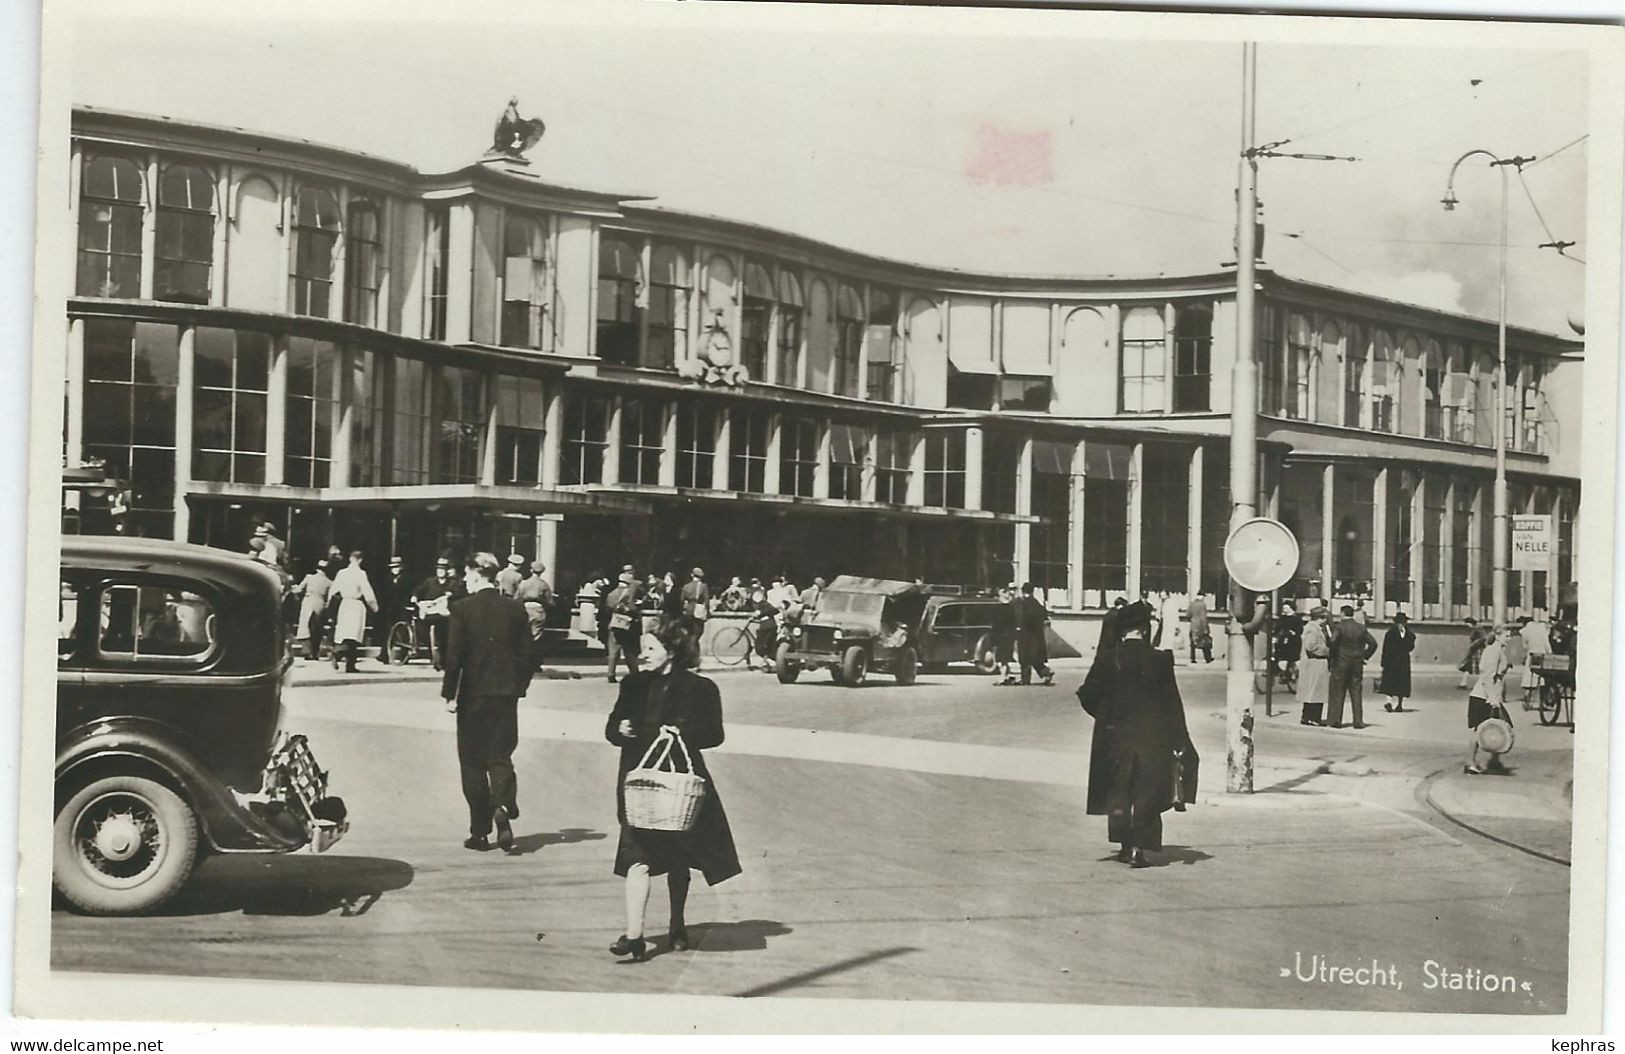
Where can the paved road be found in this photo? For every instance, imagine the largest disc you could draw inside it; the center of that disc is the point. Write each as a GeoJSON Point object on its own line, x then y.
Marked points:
{"type": "Point", "coordinates": [923, 843]}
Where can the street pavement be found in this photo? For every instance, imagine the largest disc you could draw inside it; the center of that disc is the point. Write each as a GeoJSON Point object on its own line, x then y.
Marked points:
{"type": "Point", "coordinates": [925, 842]}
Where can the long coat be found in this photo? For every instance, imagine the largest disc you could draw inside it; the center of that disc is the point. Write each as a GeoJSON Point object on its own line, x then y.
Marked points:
{"type": "Point", "coordinates": [1197, 610]}
{"type": "Point", "coordinates": [1397, 645]}
{"type": "Point", "coordinates": [489, 650]}
{"type": "Point", "coordinates": [649, 699]}
{"type": "Point", "coordinates": [1031, 618]}
{"type": "Point", "coordinates": [313, 592]}
{"type": "Point", "coordinates": [1139, 724]}
{"type": "Point", "coordinates": [355, 597]}
{"type": "Point", "coordinates": [1314, 675]}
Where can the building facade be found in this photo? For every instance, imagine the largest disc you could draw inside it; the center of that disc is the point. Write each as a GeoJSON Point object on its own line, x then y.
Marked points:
{"type": "Point", "coordinates": [403, 362]}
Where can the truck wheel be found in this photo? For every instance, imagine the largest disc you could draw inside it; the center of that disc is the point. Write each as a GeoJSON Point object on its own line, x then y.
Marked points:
{"type": "Point", "coordinates": [123, 845]}
{"type": "Point", "coordinates": [986, 655]}
{"type": "Point", "coordinates": [854, 665]}
{"type": "Point", "coordinates": [906, 666]}
{"type": "Point", "coordinates": [784, 667]}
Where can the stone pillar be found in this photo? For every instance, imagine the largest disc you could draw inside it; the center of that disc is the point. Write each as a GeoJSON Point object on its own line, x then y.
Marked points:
{"type": "Point", "coordinates": [552, 433]}
{"type": "Point", "coordinates": [1328, 539]}
{"type": "Point", "coordinates": [668, 447]}
{"type": "Point", "coordinates": [336, 304]}
{"type": "Point", "coordinates": [1553, 586]}
{"type": "Point", "coordinates": [459, 272]}
{"type": "Point", "coordinates": [821, 469]}
{"type": "Point", "coordinates": [866, 483]}
{"type": "Point", "coordinates": [149, 245]}
{"type": "Point", "coordinates": [775, 447]}
{"type": "Point", "coordinates": [1023, 556]}
{"type": "Point", "coordinates": [916, 469]}
{"type": "Point", "coordinates": [1193, 535]}
{"type": "Point", "coordinates": [1168, 318]}
{"type": "Point", "coordinates": [1418, 561]}
{"type": "Point", "coordinates": [1447, 552]}
{"type": "Point", "coordinates": [221, 244]}
{"type": "Point", "coordinates": [973, 468]}
{"type": "Point", "coordinates": [493, 414]}
{"type": "Point", "coordinates": [1379, 542]}
{"type": "Point", "coordinates": [770, 368]}
{"type": "Point", "coordinates": [285, 205]}
{"type": "Point", "coordinates": [185, 392]}
{"type": "Point", "coordinates": [1074, 533]}
{"type": "Point", "coordinates": [344, 408]}
{"type": "Point", "coordinates": [547, 546]}
{"type": "Point", "coordinates": [1475, 566]}
{"type": "Point", "coordinates": [724, 450]}
{"type": "Point", "coordinates": [276, 413]}
{"type": "Point", "coordinates": [862, 365]}
{"type": "Point", "coordinates": [612, 445]}
{"type": "Point", "coordinates": [75, 382]}
{"type": "Point", "coordinates": [1136, 519]}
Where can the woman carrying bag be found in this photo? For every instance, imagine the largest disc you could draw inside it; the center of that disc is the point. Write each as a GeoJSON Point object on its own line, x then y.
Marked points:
{"type": "Point", "coordinates": [669, 701]}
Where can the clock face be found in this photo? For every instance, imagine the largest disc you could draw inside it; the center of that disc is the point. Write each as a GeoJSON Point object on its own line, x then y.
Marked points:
{"type": "Point", "coordinates": [1261, 555]}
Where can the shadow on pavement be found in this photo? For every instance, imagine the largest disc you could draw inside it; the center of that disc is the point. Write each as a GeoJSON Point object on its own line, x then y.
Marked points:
{"type": "Point", "coordinates": [525, 844]}
{"type": "Point", "coordinates": [289, 885]}
{"type": "Point", "coordinates": [1177, 854]}
{"type": "Point", "coordinates": [801, 979]}
{"type": "Point", "coordinates": [747, 935]}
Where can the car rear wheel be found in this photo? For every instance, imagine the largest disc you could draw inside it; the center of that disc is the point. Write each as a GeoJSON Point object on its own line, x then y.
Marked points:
{"type": "Point", "coordinates": [854, 666]}
{"type": "Point", "coordinates": [784, 667]}
{"type": "Point", "coordinates": [906, 666]}
{"type": "Point", "coordinates": [987, 654]}
{"type": "Point", "coordinates": [123, 845]}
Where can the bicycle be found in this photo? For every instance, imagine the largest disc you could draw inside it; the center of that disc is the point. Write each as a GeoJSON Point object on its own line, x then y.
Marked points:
{"type": "Point", "coordinates": [1284, 676]}
{"type": "Point", "coordinates": [734, 644]}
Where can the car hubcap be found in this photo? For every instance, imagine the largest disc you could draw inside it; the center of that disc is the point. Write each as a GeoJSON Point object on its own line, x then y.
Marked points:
{"type": "Point", "coordinates": [119, 837]}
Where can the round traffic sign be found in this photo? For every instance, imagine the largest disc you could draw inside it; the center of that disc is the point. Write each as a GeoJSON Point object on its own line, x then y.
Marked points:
{"type": "Point", "coordinates": [1261, 554]}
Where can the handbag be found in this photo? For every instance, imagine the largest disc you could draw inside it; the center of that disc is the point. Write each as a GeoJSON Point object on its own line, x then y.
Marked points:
{"type": "Point", "coordinates": [662, 792]}
{"type": "Point", "coordinates": [1494, 734]}
{"type": "Point", "coordinates": [620, 620]}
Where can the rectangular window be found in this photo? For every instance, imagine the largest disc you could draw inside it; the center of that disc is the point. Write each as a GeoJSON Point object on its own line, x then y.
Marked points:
{"type": "Point", "coordinates": [312, 371]}
{"type": "Point", "coordinates": [790, 322]}
{"type": "Point", "coordinates": [848, 446]}
{"type": "Point", "coordinates": [1193, 360]}
{"type": "Point", "coordinates": [1433, 498]}
{"type": "Point", "coordinates": [893, 454]}
{"type": "Point", "coordinates": [1142, 376]}
{"type": "Point", "coordinates": [1164, 517]}
{"type": "Point", "coordinates": [696, 445]}
{"type": "Point", "coordinates": [363, 263]}
{"type": "Point", "coordinates": [586, 437]}
{"type": "Point", "coordinates": [437, 250]}
{"type": "Point", "coordinates": [1565, 542]}
{"type": "Point", "coordinates": [643, 439]}
{"type": "Point", "coordinates": [1300, 355]}
{"type": "Point", "coordinates": [154, 622]}
{"type": "Point", "coordinates": [462, 425]}
{"type": "Point", "coordinates": [945, 469]}
{"type": "Point", "coordinates": [970, 391]}
{"type": "Point", "coordinates": [747, 451]}
{"type": "Point", "coordinates": [131, 369]}
{"type": "Point", "coordinates": [848, 342]}
{"type": "Point", "coordinates": [183, 242]}
{"type": "Point", "coordinates": [369, 397]}
{"type": "Point", "coordinates": [755, 319]}
{"type": "Point", "coordinates": [1025, 393]}
{"type": "Point", "coordinates": [1001, 465]}
{"type": "Point", "coordinates": [521, 411]}
{"type": "Point", "coordinates": [1463, 553]}
{"type": "Point", "coordinates": [524, 281]}
{"type": "Point", "coordinates": [1215, 580]}
{"type": "Point", "coordinates": [1105, 518]}
{"type": "Point", "coordinates": [1397, 584]}
{"type": "Point", "coordinates": [1051, 536]}
{"type": "Point", "coordinates": [111, 208]}
{"type": "Point", "coordinates": [410, 422]}
{"type": "Point", "coordinates": [798, 456]}
{"type": "Point", "coordinates": [881, 382]}
{"type": "Point", "coordinates": [1354, 505]}
{"type": "Point", "coordinates": [668, 310]}
{"type": "Point", "coordinates": [232, 375]}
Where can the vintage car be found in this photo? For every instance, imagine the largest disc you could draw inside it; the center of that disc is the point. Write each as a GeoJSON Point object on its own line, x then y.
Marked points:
{"type": "Point", "coordinates": [958, 629]}
{"type": "Point", "coordinates": [171, 661]}
{"type": "Point", "coordinates": [859, 625]}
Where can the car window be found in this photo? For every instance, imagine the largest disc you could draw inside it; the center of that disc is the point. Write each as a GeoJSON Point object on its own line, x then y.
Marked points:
{"type": "Point", "coordinates": [853, 603]}
{"type": "Point", "coordinates": [152, 621]}
{"type": "Point", "coordinates": [950, 616]}
{"type": "Point", "coordinates": [978, 616]}
{"type": "Point", "coordinates": [67, 620]}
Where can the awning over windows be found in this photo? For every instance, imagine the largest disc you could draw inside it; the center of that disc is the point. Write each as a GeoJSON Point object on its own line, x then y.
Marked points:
{"type": "Point", "coordinates": [617, 258]}
{"type": "Point", "coordinates": [758, 282]}
{"type": "Point", "coordinates": [1107, 460]}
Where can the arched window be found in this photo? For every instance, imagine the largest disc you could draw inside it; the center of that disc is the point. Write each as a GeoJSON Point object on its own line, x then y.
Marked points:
{"type": "Point", "coordinates": [315, 243]}
{"type": "Point", "coordinates": [524, 282]}
{"type": "Point", "coordinates": [792, 317]}
{"type": "Point", "coordinates": [618, 311]}
{"type": "Point", "coordinates": [1140, 388]}
{"type": "Point", "coordinates": [184, 230]}
{"type": "Point", "coordinates": [1330, 355]}
{"type": "Point", "coordinates": [363, 262]}
{"type": "Point", "coordinates": [668, 308]}
{"type": "Point", "coordinates": [1404, 382]}
{"type": "Point", "coordinates": [1484, 390]}
{"type": "Point", "coordinates": [1532, 403]}
{"type": "Point", "coordinates": [1433, 385]}
{"type": "Point", "coordinates": [1457, 423]}
{"type": "Point", "coordinates": [885, 347]}
{"type": "Point", "coordinates": [1355, 370]}
{"type": "Point", "coordinates": [1193, 359]}
{"type": "Point", "coordinates": [110, 209]}
{"type": "Point", "coordinates": [756, 317]}
{"type": "Point", "coordinates": [1381, 392]}
{"type": "Point", "coordinates": [850, 319]}
{"type": "Point", "coordinates": [1300, 356]}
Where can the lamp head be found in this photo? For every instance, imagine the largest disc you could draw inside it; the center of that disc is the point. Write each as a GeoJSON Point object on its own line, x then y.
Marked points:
{"type": "Point", "coordinates": [1449, 201]}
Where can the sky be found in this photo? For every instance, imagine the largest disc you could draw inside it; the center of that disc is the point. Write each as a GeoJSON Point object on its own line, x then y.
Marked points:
{"type": "Point", "coordinates": [1039, 144]}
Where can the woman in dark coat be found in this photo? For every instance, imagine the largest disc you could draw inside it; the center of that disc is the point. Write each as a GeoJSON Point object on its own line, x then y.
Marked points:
{"type": "Point", "coordinates": [1140, 739]}
{"type": "Point", "coordinates": [1397, 645]}
{"type": "Point", "coordinates": [669, 696]}
{"type": "Point", "coordinates": [1004, 637]}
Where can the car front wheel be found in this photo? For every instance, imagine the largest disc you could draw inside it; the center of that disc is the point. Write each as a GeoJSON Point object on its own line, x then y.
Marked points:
{"type": "Point", "coordinates": [786, 669]}
{"type": "Point", "coordinates": [906, 666]}
{"type": "Point", "coordinates": [854, 666]}
{"type": "Point", "coordinates": [987, 654]}
{"type": "Point", "coordinates": [123, 845]}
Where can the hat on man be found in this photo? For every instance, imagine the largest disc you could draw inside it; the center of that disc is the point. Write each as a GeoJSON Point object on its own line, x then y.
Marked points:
{"type": "Point", "coordinates": [516, 560]}
{"type": "Point", "coordinates": [1135, 616]}
{"type": "Point", "coordinates": [698, 572]}
{"type": "Point", "coordinates": [395, 561]}
{"type": "Point", "coordinates": [1319, 611]}
{"type": "Point", "coordinates": [444, 561]}
{"type": "Point", "coordinates": [626, 578]}
{"type": "Point", "coordinates": [260, 531]}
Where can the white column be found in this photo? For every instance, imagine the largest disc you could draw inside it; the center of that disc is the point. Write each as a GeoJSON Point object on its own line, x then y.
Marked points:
{"type": "Point", "coordinates": [862, 366]}
{"type": "Point", "coordinates": [1553, 586]}
{"type": "Point", "coordinates": [1193, 533]}
{"type": "Point", "coordinates": [668, 447]}
{"type": "Point", "coordinates": [552, 433]}
{"type": "Point", "coordinates": [997, 352]}
{"type": "Point", "coordinates": [724, 450]}
{"type": "Point", "coordinates": [770, 371]}
{"type": "Point", "coordinates": [1418, 563]}
{"type": "Point", "coordinates": [547, 544]}
{"type": "Point", "coordinates": [973, 468]}
{"type": "Point", "coordinates": [775, 447]}
{"type": "Point", "coordinates": [1136, 514]}
{"type": "Point", "coordinates": [459, 272]}
{"type": "Point", "coordinates": [1475, 566]}
{"type": "Point", "coordinates": [866, 480]}
{"type": "Point", "coordinates": [805, 335]}
{"type": "Point", "coordinates": [149, 243]}
{"type": "Point", "coordinates": [276, 413]}
{"type": "Point", "coordinates": [222, 237]}
{"type": "Point", "coordinates": [1168, 318]}
{"type": "Point", "coordinates": [185, 381]}
{"type": "Point", "coordinates": [285, 205]}
{"type": "Point", "coordinates": [345, 409]}
{"type": "Point", "coordinates": [384, 315]}
{"type": "Point", "coordinates": [336, 305]}
{"type": "Point", "coordinates": [76, 172]}
{"type": "Point", "coordinates": [821, 469]}
{"type": "Point", "coordinates": [612, 444]}
{"type": "Point", "coordinates": [1328, 541]}
{"type": "Point", "coordinates": [1447, 552]}
{"type": "Point", "coordinates": [1074, 533]}
{"type": "Point", "coordinates": [1379, 542]}
{"type": "Point", "coordinates": [916, 469]}
{"type": "Point", "coordinates": [75, 380]}
{"type": "Point", "coordinates": [1023, 556]}
{"type": "Point", "coordinates": [493, 420]}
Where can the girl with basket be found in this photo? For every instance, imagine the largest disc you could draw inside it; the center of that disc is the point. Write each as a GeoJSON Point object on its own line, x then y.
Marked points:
{"type": "Point", "coordinates": [669, 824]}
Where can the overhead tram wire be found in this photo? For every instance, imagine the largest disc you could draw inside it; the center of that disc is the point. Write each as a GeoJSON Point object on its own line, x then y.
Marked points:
{"type": "Point", "coordinates": [1559, 150]}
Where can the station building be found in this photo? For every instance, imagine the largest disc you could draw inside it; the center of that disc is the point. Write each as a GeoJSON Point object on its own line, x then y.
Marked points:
{"type": "Point", "coordinates": [372, 356]}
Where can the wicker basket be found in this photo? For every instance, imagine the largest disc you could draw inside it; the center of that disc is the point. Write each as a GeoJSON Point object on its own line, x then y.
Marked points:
{"type": "Point", "coordinates": [660, 796]}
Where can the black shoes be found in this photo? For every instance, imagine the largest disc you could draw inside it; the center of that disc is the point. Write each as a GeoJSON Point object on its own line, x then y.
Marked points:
{"type": "Point", "coordinates": [1358, 724]}
{"type": "Point", "coordinates": [636, 947]}
{"type": "Point", "coordinates": [478, 842]}
{"type": "Point", "coordinates": [679, 938]}
{"type": "Point", "coordinates": [1124, 855]}
{"type": "Point", "coordinates": [1136, 859]}
{"type": "Point", "coordinates": [499, 816]}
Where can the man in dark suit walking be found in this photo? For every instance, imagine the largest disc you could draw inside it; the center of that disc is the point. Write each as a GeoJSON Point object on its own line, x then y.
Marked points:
{"type": "Point", "coordinates": [490, 658]}
{"type": "Point", "coordinates": [1351, 645]}
{"type": "Point", "coordinates": [1032, 649]}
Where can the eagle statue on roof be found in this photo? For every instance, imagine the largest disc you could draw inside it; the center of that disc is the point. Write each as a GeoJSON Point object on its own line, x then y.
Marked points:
{"type": "Point", "coordinates": [514, 134]}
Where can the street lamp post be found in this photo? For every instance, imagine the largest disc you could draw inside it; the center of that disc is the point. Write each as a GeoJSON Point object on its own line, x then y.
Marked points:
{"type": "Point", "coordinates": [1498, 564]}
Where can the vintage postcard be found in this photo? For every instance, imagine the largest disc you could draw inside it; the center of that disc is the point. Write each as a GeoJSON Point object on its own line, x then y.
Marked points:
{"type": "Point", "coordinates": [656, 517]}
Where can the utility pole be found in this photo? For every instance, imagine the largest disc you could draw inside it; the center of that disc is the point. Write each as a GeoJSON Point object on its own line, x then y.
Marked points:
{"type": "Point", "coordinates": [1238, 685]}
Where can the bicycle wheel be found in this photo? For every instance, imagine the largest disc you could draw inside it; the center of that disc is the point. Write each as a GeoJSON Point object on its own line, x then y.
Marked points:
{"type": "Point", "coordinates": [402, 645]}
{"type": "Point", "coordinates": [1261, 681]}
{"type": "Point", "coordinates": [1551, 704]}
{"type": "Point", "coordinates": [731, 644]}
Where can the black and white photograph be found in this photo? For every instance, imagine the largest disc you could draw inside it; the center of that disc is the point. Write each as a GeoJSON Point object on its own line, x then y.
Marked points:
{"type": "Point", "coordinates": [669, 517]}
